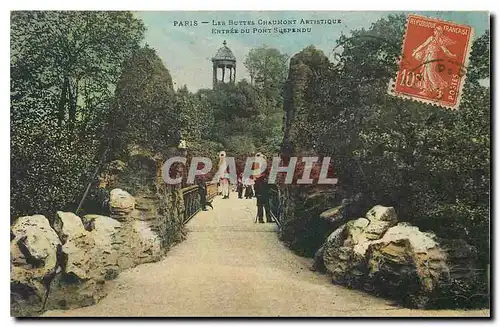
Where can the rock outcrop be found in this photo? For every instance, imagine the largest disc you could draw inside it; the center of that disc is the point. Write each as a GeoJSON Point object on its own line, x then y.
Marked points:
{"type": "Point", "coordinates": [121, 204]}
{"type": "Point", "coordinates": [304, 66]}
{"type": "Point", "coordinates": [409, 263]}
{"type": "Point", "coordinates": [146, 208]}
{"type": "Point", "coordinates": [397, 260]}
{"type": "Point", "coordinates": [34, 262]}
{"type": "Point", "coordinates": [333, 215]}
{"type": "Point", "coordinates": [66, 265]}
{"type": "Point", "coordinates": [137, 244]}
{"type": "Point", "coordinates": [68, 224]}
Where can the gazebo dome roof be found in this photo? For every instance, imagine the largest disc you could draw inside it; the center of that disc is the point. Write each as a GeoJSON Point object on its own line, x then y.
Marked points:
{"type": "Point", "coordinates": [224, 53]}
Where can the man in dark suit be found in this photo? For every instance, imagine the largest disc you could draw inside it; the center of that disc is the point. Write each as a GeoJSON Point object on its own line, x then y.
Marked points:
{"type": "Point", "coordinates": [239, 186]}
{"type": "Point", "coordinates": [202, 190]}
{"type": "Point", "coordinates": [262, 194]}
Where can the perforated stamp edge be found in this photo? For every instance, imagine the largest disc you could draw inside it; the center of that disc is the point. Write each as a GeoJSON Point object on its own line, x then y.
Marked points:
{"type": "Point", "coordinates": [391, 90]}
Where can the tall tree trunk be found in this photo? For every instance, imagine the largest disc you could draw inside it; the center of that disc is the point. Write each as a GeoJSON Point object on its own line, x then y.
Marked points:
{"type": "Point", "coordinates": [72, 97]}
{"type": "Point", "coordinates": [61, 110]}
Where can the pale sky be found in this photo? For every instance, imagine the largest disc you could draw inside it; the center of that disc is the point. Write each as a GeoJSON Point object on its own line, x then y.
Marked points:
{"type": "Point", "coordinates": [187, 50]}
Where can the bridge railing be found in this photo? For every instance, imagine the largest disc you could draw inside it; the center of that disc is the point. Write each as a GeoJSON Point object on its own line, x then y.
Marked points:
{"type": "Point", "coordinates": [211, 191]}
{"type": "Point", "coordinates": [276, 204]}
{"type": "Point", "coordinates": [192, 203]}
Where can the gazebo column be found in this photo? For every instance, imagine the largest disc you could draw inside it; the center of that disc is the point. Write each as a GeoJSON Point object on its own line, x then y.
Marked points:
{"type": "Point", "coordinates": [214, 78]}
{"type": "Point", "coordinates": [223, 72]}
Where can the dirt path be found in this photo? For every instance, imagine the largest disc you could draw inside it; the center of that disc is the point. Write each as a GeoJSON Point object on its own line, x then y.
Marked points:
{"type": "Point", "coordinates": [229, 266]}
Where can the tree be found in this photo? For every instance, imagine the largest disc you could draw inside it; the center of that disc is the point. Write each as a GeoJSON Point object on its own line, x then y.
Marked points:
{"type": "Point", "coordinates": [143, 111]}
{"type": "Point", "coordinates": [64, 67]}
{"type": "Point", "coordinates": [73, 57]}
{"type": "Point", "coordinates": [268, 69]}
{"type": "Point", "coordinates": [430, 163]}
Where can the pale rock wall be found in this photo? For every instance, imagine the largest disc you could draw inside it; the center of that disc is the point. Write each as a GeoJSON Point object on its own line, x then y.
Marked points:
{"type": "Point", "coordinates": [67, 264]}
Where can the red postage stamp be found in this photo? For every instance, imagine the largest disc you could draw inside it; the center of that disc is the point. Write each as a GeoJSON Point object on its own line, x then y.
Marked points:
{"type": "Point", "coordinates": [433, 63]}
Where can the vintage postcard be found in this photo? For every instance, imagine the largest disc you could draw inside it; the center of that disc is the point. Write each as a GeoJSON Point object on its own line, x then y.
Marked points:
{"type": "Point", "coordinates": [250, 164]}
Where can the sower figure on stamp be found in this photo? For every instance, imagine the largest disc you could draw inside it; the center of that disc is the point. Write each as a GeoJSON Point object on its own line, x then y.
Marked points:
{"type": "Point", "coordinates": [427, 53]}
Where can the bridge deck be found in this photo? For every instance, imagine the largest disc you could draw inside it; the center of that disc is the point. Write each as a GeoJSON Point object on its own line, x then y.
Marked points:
{"type": "Point", "coordinates": [230, 266]}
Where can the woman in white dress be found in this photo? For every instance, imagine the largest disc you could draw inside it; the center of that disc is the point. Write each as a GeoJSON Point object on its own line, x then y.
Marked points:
{"type": "Point", "coordinates": [223, 175]}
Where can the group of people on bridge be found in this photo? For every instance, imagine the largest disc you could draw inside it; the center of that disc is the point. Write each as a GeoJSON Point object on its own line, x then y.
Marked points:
{"type": "Point", "coordinates": [252, 186]}
{"type": "Point", "coordinates": [245, 185]}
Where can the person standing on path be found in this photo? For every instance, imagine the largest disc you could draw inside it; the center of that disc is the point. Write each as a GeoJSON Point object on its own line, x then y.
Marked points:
{"type": "Point", "coordinates": [202, 191]}
{"type": "Point", "coordinates": [262, 194]}
{"type": "Point", "coordinates": [224, 183]}
{"type": "Point", "coordinates": [249, 188]}
{"type": "Point", "coordinates": [224, 175]}
{"type": "Point", "coordinates": [239, 186]}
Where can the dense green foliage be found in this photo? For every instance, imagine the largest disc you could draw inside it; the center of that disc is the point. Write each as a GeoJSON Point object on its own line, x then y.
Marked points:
{"type": "Point", "coordinates": [241, 123]}
{"type": "Point", "coordinates": [144, 109]}
{"type": "Point", "coordinates": [268, 69]}
{"type": "Point", "coordinates": [432, 164]}
{"type": "Point", "coordinates": [240, 118]}
{"type": "Point", "coordinates": [84, 92]}
{"type": "Point", "coordinates": [64, 67]}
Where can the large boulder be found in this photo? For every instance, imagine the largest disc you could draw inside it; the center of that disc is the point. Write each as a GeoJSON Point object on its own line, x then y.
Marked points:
{"type": "Point", "coordinates": [344, 253]}
{"type": "Point", "coordinates": [34, 261]}
{"type": "Point", "coordinates": [90, 257]}
{"type": "Point", "coordinates": [406, 264]}
{"type": "Point", "coordinates": [424, 271]}
{"type": "Point", "coordinates": [344, 250]}
{"type": "Point", "coordinates": [138, 244]}
{"type": "Point", "coordinates": [399, 261]}
{"type": "Point", "coordinates": [121, 204]}
{"type": "Point", "coordinates": [68, 224]}
{"type": "Point", "coordinates": [78, 246]}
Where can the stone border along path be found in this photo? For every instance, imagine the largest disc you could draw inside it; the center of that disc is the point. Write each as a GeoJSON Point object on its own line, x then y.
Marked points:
{"type": "Point", "coordinates": [230, 266]}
